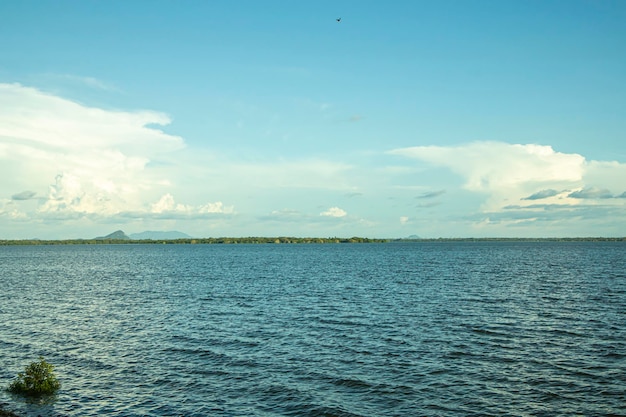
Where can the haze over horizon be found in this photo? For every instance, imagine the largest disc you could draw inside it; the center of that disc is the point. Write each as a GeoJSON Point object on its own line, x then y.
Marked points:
{"type": "Point", "coordinates": [436, 119]}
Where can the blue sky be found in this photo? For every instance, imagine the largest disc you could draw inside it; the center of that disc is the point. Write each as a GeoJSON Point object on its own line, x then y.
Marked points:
{"type": "Point", "coordinates": [222, 118]}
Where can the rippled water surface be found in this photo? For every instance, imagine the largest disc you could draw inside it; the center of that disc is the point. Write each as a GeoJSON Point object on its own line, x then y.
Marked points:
{"type": "Point", "coordinates": [398, 329]}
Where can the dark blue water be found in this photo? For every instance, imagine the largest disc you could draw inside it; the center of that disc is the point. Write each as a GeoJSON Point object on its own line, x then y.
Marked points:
{"type": "Point", "coordinates": [415, 329]}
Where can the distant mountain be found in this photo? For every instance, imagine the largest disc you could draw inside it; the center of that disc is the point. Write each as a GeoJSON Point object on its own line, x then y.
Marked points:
{"type": "Point", "coordinates": [158, 235]}
{"type": "Point", "coordinates": [117, 235]}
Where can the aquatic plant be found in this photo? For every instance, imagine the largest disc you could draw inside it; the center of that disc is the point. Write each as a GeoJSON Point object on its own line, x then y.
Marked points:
{"type": "Point", "coordinates": [37, 379]}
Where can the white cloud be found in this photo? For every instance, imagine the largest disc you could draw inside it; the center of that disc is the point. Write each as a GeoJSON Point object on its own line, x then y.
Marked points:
{"type": "Point", "coordinates": [30, 116]}
{"type": "Point", "coordinates": [334, 212]}
{"type": "Point", "coordinates": [490, 166]}
{"type": "Point", "coordinates": [81, 160]}
{"type": "Point", "coordinates": [514, 175]}
{"type": "Point", "coordinates": [67, 161]}
{"type": "Point", "coordinates": [167, 205]}
{"type": "Point", "coordinates": [10, 210]}
{"type": "Point", "coordinates": [62, 160]}
{"type": "Point", "coordinates": [606, 174]}
{"type": "Point", "coordinates": [217, 207]}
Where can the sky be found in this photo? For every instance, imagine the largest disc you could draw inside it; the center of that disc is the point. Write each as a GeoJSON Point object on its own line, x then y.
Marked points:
{"type": "Point", "coordinates": [271, 118]}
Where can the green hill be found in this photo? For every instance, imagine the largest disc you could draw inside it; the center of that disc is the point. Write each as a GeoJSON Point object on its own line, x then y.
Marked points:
{"type": "Point", "coordinates": [117, 235]}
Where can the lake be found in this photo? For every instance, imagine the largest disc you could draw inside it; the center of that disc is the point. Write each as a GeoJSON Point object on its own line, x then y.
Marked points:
{"type": "Point", "coordinates": [390, 329]}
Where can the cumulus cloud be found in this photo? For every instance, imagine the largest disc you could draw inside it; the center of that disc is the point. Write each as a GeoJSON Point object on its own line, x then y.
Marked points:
{"type": "Point", "coordinates": [605, 174]}
{"type": "Point", "coordinates": [215, 208]}
{"type": "Point", "coordinates": [334, 212]}
{"type": "Point", "coordinates": [73, 161]}
{"type": "Point", "coordinates": [66, 160]}
{"type": "Point", "coordinates": [166, 208]}
{"type": "Point", "coordinates": [490, 166]}
{"type": "Point", "coordinates": [81, 161]}
{"type": "Point", "coordinates": [10, 210]}
{"type": "Point", "coordinates": [166, 204]}
{"type": "Point", "coordinates": [515, 175]}
{"type": "Point", "coordinates": [30, 116]}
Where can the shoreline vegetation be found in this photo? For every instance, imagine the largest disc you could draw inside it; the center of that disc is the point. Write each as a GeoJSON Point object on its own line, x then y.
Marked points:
{"type": "Point", "coordinates": [289, 240]}
{"type": "Point", "coordinates": [37, 380]}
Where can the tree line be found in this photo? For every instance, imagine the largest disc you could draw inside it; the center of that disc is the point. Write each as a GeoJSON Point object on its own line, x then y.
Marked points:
{"type": "Point", "coordinates": [290, 240]}
{"type": "Point", "coordinates": [193, 241]}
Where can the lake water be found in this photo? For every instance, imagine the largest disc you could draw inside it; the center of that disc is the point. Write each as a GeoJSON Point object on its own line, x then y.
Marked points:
{"type": "Point", "coordinates": [397, 329]}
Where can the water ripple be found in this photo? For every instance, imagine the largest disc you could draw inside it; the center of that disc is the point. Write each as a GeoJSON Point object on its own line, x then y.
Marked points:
{"type": "Point", "coordinates": [319, 330]}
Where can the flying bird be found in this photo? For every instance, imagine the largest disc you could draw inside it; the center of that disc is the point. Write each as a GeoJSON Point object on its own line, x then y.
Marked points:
{"type": "Point", "coordinates": [338, 19]}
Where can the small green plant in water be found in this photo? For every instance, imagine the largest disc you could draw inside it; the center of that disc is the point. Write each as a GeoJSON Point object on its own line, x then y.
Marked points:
{"type": "Point", "coordinates": [37, 379]}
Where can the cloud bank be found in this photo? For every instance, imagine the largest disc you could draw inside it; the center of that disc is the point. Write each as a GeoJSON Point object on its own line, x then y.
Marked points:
{"type": "Point", "coordinates": [86, 161]}
{"type": "Point", "coordinates": [512, 177]}
{"type": "Point", "coordinates": [67, 163]}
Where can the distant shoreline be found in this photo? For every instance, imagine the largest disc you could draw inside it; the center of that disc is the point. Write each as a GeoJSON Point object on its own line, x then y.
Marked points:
{"type": "Point", "coordinates": [288, 240]}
